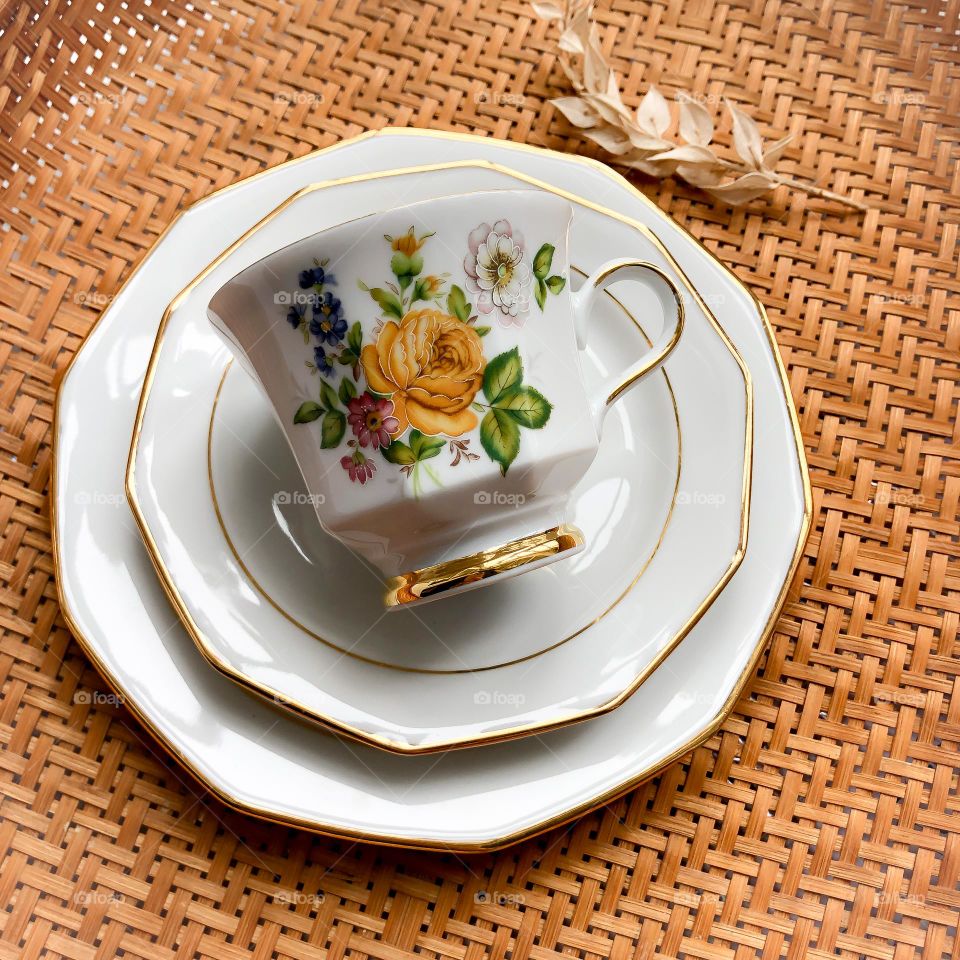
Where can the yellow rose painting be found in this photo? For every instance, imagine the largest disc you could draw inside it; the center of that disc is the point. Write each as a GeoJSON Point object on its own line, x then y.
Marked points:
{"type": "Point", "coordinates": [431, 366]}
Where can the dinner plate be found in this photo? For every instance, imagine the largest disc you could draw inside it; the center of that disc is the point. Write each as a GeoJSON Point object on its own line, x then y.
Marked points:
{"type": "Point", "coordinates": [292, 614]}
{"type": "Point", "coordinates": [283, 770]}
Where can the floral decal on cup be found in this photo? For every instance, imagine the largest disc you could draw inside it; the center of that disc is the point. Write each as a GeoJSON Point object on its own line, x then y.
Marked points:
{"type": "Point", "coordinates": [544, 283]}
{"type": "Point", "coordinates": [424, 384]}
{"type": "Point", "coordinates": [320, 316]}
{"type": "Point", "coordinates": [360, 468]}
{"type": "Point", "coordinates": [372, 420]}
{"type": "Point", "coordinates": [497, 273]}
{"type": "Point", "coordinates": [431, 366]}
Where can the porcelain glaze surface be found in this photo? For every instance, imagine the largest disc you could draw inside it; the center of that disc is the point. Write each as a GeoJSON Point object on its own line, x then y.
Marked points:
{"type": "Point", "coordinates": [283, 770]}
{"type": "Point", "coordinates": [595, 626]}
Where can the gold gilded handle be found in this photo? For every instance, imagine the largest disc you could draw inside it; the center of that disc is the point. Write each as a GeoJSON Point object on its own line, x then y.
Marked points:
{"type": "Point", "coordinates": [671, 302]}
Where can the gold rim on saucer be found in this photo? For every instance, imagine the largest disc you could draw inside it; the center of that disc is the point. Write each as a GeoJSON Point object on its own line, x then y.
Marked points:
{"type": "Point", "coordinates": [479, 668]}
{"type": "Point", "coordinates": [391, 744]}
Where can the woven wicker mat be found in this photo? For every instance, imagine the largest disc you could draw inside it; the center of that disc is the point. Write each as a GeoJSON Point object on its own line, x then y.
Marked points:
{"type": "Point", "coordinates": [823, 818]}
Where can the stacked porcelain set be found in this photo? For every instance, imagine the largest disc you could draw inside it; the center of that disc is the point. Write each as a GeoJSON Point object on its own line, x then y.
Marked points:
{"type": "Point", "coordinates": [428, 489]}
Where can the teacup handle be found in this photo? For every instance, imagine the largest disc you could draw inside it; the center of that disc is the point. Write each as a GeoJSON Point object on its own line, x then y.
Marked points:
{"type": "Point", "coordinates": [616, 386]}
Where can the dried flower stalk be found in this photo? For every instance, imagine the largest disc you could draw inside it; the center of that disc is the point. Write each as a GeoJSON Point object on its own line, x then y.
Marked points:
{"type": "Point", "coordinates": [637, 139]}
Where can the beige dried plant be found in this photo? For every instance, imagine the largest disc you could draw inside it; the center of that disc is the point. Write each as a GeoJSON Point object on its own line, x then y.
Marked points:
{"type": "Point", "coordinates": [637, 139]}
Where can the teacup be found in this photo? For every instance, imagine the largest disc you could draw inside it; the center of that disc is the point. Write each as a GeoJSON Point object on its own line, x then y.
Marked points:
{"type": "Point", "coordinates": [424, 366]}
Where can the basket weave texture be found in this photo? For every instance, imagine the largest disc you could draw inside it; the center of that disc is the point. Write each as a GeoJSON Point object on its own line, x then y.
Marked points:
{"type": "Point", "coordinates": [822, 819]}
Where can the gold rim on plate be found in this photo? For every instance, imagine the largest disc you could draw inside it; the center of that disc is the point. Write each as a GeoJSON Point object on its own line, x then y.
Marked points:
{"type": "Point", "coordinates": [580, 809]}
{"type": "Point", "coordinates": [380, 739]}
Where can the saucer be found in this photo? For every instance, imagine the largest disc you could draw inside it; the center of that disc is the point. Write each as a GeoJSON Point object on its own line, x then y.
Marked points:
{"type": "Point", "coordinates": [291, 614]}
{"type": "Point", "coordinates": [279, 769]}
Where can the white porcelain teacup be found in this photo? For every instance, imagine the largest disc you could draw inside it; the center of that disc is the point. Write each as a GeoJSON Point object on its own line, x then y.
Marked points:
{"type": "Point", "coordinates": [424, 366]}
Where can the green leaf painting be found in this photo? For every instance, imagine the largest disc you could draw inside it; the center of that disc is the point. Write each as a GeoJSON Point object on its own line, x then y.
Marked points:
{"type": "Point", "coordinates": [347, 390]}
{"type": "Point", "coordinates": [457, 304]}
{"type": "Point", "coordinates": [500, 438]}
{"type": "Point", "coordinates": [542, 282]}
{"type": "Point", "coordinates": [502, 372]}
{"type": "Point", "coordinates": [510, 405]}
{"type": "Point", "coordinates": [527, 406]}
{"type": "Point", "coordinates": [389, 302]}
{"type": "Point", "coordinates": [400, 453]}
{"type": "Point", "coordinates": [540, 292]}
{"type": "Point", "coordinates": [543, 261]}
{"type": "Point", "coordinates": [328, 396]}
{"type": "Point", "coordinates": [307, 412]}
{"type": "Point", "coordinates": [424, 447]}
{"type": "Point", "coordinates": [334, 425]}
